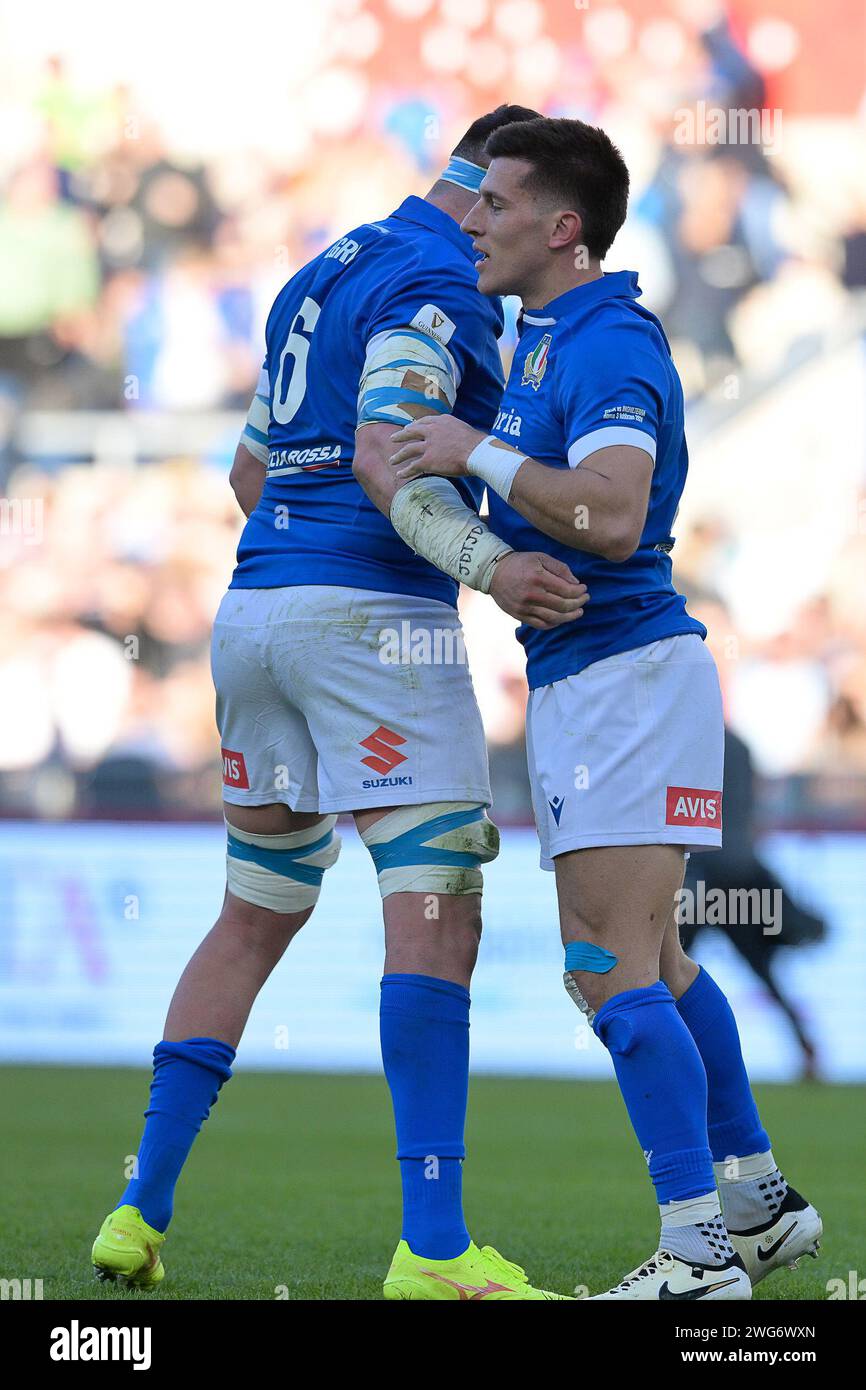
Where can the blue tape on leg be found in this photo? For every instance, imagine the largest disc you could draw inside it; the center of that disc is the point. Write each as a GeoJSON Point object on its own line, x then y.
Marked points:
{"type": "Point", "coordinates": [583, 955]}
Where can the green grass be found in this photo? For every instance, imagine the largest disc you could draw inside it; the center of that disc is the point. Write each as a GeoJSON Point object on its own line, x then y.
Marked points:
{"type": "Point", "coordinates": [293, 1182]}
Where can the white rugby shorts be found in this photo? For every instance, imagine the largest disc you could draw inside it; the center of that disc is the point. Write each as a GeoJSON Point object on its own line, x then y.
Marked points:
{"type": "Point", "coordinates": [630, 751]}
{"type": "Point", "coordinates": [340, 699]}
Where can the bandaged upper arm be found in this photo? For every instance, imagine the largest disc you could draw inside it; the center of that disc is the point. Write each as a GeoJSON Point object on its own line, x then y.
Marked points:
{"type": "Point", "coordinates": [406, 374]}
{"type": "Point", "coordinates": [255, 431]}
{"type": "Point", "coordinates": [431, 517]}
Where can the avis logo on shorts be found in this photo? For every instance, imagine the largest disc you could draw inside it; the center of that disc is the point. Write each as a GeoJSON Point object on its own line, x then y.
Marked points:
{"type": "Point", "coordinates": [234, 769]}
{"type": "Point", "coordinates": [694, 806]}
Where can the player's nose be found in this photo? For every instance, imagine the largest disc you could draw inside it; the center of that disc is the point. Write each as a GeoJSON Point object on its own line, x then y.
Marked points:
{"type": "Point", "coordinates": [470, 221]}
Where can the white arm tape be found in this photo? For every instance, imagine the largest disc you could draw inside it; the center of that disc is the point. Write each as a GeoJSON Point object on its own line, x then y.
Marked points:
{"type": "Point", "coordinates": [255, 435]}
{"type": "Point", "coordinates": [430, 516]}
{"type": "Point", "coordinates": [496, 464]}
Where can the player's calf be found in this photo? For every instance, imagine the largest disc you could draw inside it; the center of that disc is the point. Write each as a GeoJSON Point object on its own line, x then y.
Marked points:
{"type": "Point", "coordinates": [428, 863]}
{"type": "Point", "coordinates": [611, 973]}
{"type": "Point", "coordinates": [770, 1224]}
{"type": "Point", "coordinates": [273, 882]}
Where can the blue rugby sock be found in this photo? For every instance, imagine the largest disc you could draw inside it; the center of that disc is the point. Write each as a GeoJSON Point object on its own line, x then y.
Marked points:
{"type": "Point", "coordinates": [187, 1077]}
{"type": "Point", "coordinates": [664, 1086]}
{"type": "Point", "coordinates": [733, 1124]}
{"type": "Point", "coordinates": [424, 1027]}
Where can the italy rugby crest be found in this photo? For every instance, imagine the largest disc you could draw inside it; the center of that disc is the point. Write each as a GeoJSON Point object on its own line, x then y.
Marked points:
{"type": "Point", "coordinates": [535, 363]}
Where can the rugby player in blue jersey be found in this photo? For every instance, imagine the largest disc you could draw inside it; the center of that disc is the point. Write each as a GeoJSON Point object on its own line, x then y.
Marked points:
{"type": "Point", "coordinates": [587, 460]}
{"type": "Point", "coordinates": [342, 687]}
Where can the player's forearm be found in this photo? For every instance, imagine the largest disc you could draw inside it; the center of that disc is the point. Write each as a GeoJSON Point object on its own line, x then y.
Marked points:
{"type": "Point", "coordinates": [600, 506]}
{"type": "Point", "coordinates": [370, 465]}
{"type": "Point", "coordinates": [431, 517]}
{"type": "Point", "coordinates": [578, 508]}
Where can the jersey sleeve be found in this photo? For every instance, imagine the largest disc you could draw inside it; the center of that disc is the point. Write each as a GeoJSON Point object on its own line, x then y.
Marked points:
{"type": "Point", "coordinates": [255, 432]}
{"type": "Point", "coordinates": [613, 389]}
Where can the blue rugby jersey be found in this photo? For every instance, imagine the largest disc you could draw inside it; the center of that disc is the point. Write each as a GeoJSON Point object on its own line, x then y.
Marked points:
{"type": "Point", "coordinates": [314, 524]}
{"type": "Point", "coordinates": [594, 369]}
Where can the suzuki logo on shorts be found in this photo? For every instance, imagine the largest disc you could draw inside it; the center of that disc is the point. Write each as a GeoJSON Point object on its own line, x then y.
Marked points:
{"type": "Point", "coordinates": [694, 806]}
{"type": "Point", "coordinates": [383, 744]}
{"type": "Point", "coordinates": [234, 769]}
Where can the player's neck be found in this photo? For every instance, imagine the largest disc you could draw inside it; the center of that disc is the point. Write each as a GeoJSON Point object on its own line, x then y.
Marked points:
{"type": "Point", "coordinates": [558, 281]}
{"type": "Point", "coordinates": [448, 197]}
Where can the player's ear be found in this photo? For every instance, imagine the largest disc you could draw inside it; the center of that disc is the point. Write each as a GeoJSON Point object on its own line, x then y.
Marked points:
{"type": "Point", "coordinates": [567, 230]}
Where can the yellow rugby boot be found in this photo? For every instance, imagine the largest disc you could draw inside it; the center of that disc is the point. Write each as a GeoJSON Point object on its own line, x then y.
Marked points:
{"type": "Point", "coordinates": [127, 1250]}
{"type": "Point", "coordinates": [470, 1277]}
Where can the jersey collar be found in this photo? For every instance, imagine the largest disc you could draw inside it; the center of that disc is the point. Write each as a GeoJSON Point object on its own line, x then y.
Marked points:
{"type": "Point", "coordinates": [617, 284]}
{"type": "Point", "coordinates": [418, 210]}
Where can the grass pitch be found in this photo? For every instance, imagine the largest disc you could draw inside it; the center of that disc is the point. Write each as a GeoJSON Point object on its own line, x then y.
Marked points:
{"type": "Point", "coordinates": [292, 1189]}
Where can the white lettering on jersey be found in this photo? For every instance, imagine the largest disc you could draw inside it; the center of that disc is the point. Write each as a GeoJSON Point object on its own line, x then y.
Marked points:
{"type": "Point", "coordinates": [344, 250]}
{"type": "Point", "coordinates": [436, 324]}
{"type": "Point", "coordinates": [624, 412]}
{"type": "Point", "coordinates": [508, 423]}
{"type": "Point", "coordinates": [294, 460]}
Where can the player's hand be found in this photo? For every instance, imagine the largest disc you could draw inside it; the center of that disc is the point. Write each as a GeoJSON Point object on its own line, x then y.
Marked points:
{"type": "Point", "coordinates": [537, 589]}
{"type": "Point", "coordinates": [438, 444]}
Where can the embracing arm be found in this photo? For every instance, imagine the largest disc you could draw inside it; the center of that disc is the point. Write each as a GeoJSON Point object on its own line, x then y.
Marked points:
{"type": "Point", "coordinates": [433, 520]}
{"type": "Point", "coordinates": [600, 505]}
{"type": "Point", "coordinates": [408, 374]}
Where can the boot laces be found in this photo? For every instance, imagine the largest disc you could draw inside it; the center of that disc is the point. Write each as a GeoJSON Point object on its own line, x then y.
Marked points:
{"type": "Point", "coordinates": [512, 1270]}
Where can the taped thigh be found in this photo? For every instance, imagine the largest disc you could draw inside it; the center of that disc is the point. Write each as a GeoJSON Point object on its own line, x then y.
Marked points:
{"type": "Point", "coordinates": [281, 872]}
{"type": "Point", "coordinates": [435, 848]}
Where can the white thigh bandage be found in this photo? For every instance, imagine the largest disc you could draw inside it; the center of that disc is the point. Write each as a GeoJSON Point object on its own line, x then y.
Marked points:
{"type": "Point", "coordinates": [432, 849]}
{"type": "Point", "coordinates": [281, 872]}
{"type": "Point", "coordinates": [431, 517]}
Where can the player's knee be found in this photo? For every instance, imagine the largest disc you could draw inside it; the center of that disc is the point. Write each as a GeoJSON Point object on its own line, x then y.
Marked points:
{"type": "Point", "coordinates": [249, 930]}
{"type": "Point", "coordinates": [473, 918]}
{"type": "Point", "coordinates": [677, 969]}
{"type": "Point", "coordinates": [433, 849]}
{"type": "Point", "coordinates": [282, 873]}
{"type": "Point", "coordinates": [462, 916]}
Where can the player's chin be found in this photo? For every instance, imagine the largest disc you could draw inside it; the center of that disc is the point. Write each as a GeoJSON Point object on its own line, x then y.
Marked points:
{"type": "Point", "coordinates": [488, 280]}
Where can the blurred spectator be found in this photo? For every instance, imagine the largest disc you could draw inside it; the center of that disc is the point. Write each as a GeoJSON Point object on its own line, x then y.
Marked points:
{"type": "Point", "coordinates": [48, 270]}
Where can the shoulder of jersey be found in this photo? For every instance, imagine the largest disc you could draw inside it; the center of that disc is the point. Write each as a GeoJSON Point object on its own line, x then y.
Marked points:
{"type": "Point", "coordinates": [608, 313]}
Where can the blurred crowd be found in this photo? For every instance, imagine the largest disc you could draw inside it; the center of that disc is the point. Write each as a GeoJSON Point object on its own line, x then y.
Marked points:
{"type": "Point", "coordinates": [135, 276]}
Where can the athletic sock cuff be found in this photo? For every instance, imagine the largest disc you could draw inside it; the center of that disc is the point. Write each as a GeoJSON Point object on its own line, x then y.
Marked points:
{"type": "Point", "coordinates": [425, 996]}
{"type": "Point", "coordinates": [682, 1174]}
{"type": "Point", "coordinates": [701, 1004]}
{"type": "Point", "coordinates": [740, 1137]}
{"type": "Point", "coordinates": [208, 1053]}
{"type": "Point", "coordinates": [626, 1003]}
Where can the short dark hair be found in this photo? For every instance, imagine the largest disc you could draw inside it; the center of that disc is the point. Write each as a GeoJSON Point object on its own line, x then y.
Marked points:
{"type": "Point", "coordinates": [471, 145]}
{"type": "Point", "coordinates": [573, 162]}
